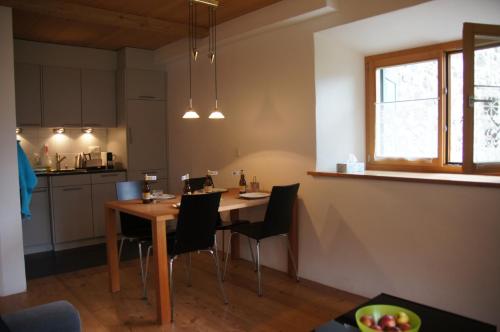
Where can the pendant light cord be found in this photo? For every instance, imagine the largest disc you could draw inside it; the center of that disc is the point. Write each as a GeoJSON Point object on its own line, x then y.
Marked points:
{"type": "Point", "coordinates": [190, 48]}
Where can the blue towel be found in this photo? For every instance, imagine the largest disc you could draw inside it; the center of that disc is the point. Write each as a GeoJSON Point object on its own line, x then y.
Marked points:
{"type": "Point", "coordinates": [27, 181]}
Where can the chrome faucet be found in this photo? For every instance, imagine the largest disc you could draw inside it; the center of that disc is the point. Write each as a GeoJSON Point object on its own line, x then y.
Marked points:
{"type": "Point", "coordinates": [59, 159]}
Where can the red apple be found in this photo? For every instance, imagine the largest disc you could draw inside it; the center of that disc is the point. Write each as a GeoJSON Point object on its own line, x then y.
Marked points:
{"type": "Point", "coordinates": [404, 326]}
{"type": "Point", "coordinates": [387, 321]}
{"type": "Point", "coordinates": [367, 320]}
{"type": "Point", "coordinates": [393, 329]}
{"type": "Point", "coordinates": [376, 327]}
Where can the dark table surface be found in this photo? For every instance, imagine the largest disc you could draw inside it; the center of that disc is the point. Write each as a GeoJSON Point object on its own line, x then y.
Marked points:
{"type": "Point", "coordinates": [433, 320]}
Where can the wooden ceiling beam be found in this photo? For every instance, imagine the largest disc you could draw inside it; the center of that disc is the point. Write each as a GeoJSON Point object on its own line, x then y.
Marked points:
{"type": "Point", "coordinates": [86, 14]}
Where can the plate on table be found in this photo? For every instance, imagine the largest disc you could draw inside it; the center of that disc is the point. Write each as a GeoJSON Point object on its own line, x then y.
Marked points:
{"type": "Point", "coordinates": [255, 195]}
{"type": "Point", "coordinates": [163, 196]}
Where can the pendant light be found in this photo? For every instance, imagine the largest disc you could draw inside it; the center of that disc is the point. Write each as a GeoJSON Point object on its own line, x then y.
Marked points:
{"type": "Point", "coordinates": [192, 55]}
{"type": "Point", "coordinates": [212, 55]}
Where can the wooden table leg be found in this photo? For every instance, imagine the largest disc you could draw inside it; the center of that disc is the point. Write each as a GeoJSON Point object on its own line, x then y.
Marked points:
{"type": "Point", "coordinates": [235, 239]}
{"type": "Point", "coordinates": [161, 268]}
{"type": "Point", "coordinates": [112, 250]}
{"type": "Point", "coordinates": [293, 237]}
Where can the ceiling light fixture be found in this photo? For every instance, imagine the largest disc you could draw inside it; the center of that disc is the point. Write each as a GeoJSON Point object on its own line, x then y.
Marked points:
{"type": "Point", "coordinates": [212, 55]}
{"type": "Point", "coordinates": [58, 130]}
{"type": "Point", "coordinates": [192, 56]}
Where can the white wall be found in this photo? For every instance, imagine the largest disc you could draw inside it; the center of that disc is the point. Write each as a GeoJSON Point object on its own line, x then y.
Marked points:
{"type": "Point", "coordinates": [435, 244]}
{"type": "Point", "coordinates": [12, 276]}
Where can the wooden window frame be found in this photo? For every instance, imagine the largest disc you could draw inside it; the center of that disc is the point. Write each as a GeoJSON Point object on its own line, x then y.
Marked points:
{"type": "Point", "coordinates": [437, 52]}
{"type": "Point", "coordinates": [469, 31]}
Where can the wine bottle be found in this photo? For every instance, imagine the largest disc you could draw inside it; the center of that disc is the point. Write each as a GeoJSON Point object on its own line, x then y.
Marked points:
{"type": "Point", "coordinates": [209, 183]}
{"type": "Point", "coordinates": [187, 186]}
{"type": "Point", "coordinates": [146, 191]}
{"type": "Point", "coordinates": [243, 183]}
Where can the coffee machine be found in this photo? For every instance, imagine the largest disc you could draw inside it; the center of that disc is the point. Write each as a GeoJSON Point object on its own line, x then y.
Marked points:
{"type": "Point", "coordinates": [110, 164]}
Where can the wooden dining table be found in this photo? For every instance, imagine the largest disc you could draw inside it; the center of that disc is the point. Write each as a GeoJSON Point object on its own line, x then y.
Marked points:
{"type": "Point", "coordinates": [159, 214]}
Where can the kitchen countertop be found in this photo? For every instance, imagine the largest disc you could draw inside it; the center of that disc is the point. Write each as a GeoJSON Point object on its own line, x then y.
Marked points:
{"type": "Point", "coordinates": [77, 171]}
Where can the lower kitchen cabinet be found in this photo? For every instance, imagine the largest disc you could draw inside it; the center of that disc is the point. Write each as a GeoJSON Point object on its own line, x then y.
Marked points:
{"type": "Point", "coordinates": [36, 231]}
{"type": "Point", "coordinates": [72, 208]}
{"type": "Point", "coordinates": [103, 190]}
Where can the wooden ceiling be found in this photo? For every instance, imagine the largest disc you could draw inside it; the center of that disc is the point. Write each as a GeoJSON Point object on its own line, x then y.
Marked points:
{"type": "Point", "coordinates": [113, 24]}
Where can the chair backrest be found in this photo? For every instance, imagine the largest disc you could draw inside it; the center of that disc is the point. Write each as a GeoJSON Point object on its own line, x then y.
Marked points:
{"type": "Point", "coordinates": [196, 183]}
{"type": "Point", "coordinates": [196, 222]}
{"type": "Point", "coordinates": [279, 211]}
{"type": "Point", "coordinates": [128, 190]}
{"type": "Point", "coordinates": [132, 226]}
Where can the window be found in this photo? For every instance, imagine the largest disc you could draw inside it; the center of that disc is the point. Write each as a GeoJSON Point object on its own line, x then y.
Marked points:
{"type": "Point", "coordinates": [415, 108]}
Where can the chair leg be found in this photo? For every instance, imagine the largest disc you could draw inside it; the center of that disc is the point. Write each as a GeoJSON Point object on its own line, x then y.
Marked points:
{"type": "Point", "coordinates": [251, 253]}
{"type": "Point", "coordinates": [146, 270]}
{"type": "Point", "coordinates": [259, 289]}
{"type": "Point", "coordinates": [143, 278]}
{"type": "Point", "coordinates": [188, 267]}
{"type": "Point", "coordinates": [227, 256]}
{"type": "Point", "coordinates": [215, 255]}
{"type": "Point", "coordinates": [171, 286]}
{"type": "Point", "coordinates": [292, 258]}
{"type": "Point", "coordinates": [121, 247]}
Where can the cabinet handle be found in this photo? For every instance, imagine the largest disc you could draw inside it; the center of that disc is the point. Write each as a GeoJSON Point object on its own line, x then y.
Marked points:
{"type": "Point", "coordinates": [72, 189]}
{"type": "Point", "coordinates": [148, 97]}
{"type": "Point", "coordinates": [108, 175]}
{"type": "Point", "coordinates": [149, 172]}
{"type": "Point", "coordinates": [39, 191]}
{"type": "Point", "coordinates": [71, 125]}
{"type": "Point", "coordinates": [91, 125]}
{"type": "Point", "coordinates": [130, 141]}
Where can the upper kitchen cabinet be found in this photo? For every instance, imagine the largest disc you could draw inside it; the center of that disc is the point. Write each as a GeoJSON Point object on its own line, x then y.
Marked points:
{"type": "Point", "coordinates": [145, 84]}
{"type": "Point", "coordinates": [98, 98]}
{"type": "Point", "coordinates": [62, 97]}
{"type": "Point", "coordinates": [146, 135]}
{"type": "Point", "coordinates": [28, 95]}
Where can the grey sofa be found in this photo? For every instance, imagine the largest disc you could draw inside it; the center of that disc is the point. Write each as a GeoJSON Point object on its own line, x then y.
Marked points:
{"type": "Point", "coordinates": [54, 317]}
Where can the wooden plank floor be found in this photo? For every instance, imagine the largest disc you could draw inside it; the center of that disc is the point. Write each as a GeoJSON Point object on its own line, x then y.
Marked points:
{"type": "Point", "coordinates": [285, 306]}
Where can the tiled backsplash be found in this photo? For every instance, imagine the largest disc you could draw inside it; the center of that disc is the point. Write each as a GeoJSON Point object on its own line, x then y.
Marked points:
{"type": "Point", "coordinates": [69, 144]}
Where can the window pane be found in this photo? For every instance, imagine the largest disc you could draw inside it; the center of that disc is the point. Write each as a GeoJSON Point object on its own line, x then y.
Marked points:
{"type": "Point", "coordinates": [406, 119]}
{"type": "Point", "coordinates": [456, 111]}
{"type": "Point", "coordinates": [486, 114]}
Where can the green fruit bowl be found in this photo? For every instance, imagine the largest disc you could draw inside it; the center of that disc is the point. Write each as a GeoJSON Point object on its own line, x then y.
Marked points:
{"type": "Point", "coordinates": [379, 310]}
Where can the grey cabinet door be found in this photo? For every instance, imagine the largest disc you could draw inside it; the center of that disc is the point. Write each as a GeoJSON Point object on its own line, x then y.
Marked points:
{"type": "Point", "coordinates": [98, 98]}
{"type": "Point", "coordinates": [62, 97]}
{"type": "Point", "coordinates": [36, 232]}
{"type": "Point", "coordinates": [101, 193]}
{"type": "Point", "coordinates": [72, 208]}
{"type": "Point", "coordinates": [28, 95]}
{"type": "Point", "coordinates": [146, 134]}
{"type": "Point", "coordinates": [145, 84]}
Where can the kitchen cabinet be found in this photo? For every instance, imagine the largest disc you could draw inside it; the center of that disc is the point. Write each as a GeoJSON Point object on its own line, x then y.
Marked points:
{"type": "Point", "coordinates": [98, 98]}
{"type": "Point", "coordinates": [28, 95]}
{"type": "Point", "coordinates": [72, 208]}
{"type": "Point", "coordinates": [103, 190]}
{"type": "Point", "coordinates": [62, 97]}
{"type": "Point", "coordinates": [145, 84]}
{"type": "Point", "coordinates": [146, 136]}
{"type": "Point", "coordinates": [37, 231]}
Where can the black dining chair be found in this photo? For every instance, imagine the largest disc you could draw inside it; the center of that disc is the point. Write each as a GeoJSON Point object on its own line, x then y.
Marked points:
{"type": "Point", "coordinates": [133, 228]}
{"type": "Point", "coordinates": [196, 226]}
{"type": "Point", "coordinates": [196, 183]}
{"type": "Point", "coordinates": [222, 225]}
{"type": "Point", "coordinates": [277, 221]}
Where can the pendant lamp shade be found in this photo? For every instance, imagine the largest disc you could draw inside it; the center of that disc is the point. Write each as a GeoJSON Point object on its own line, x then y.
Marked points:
{"type": "Point", "coordinates": [190, 113]}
